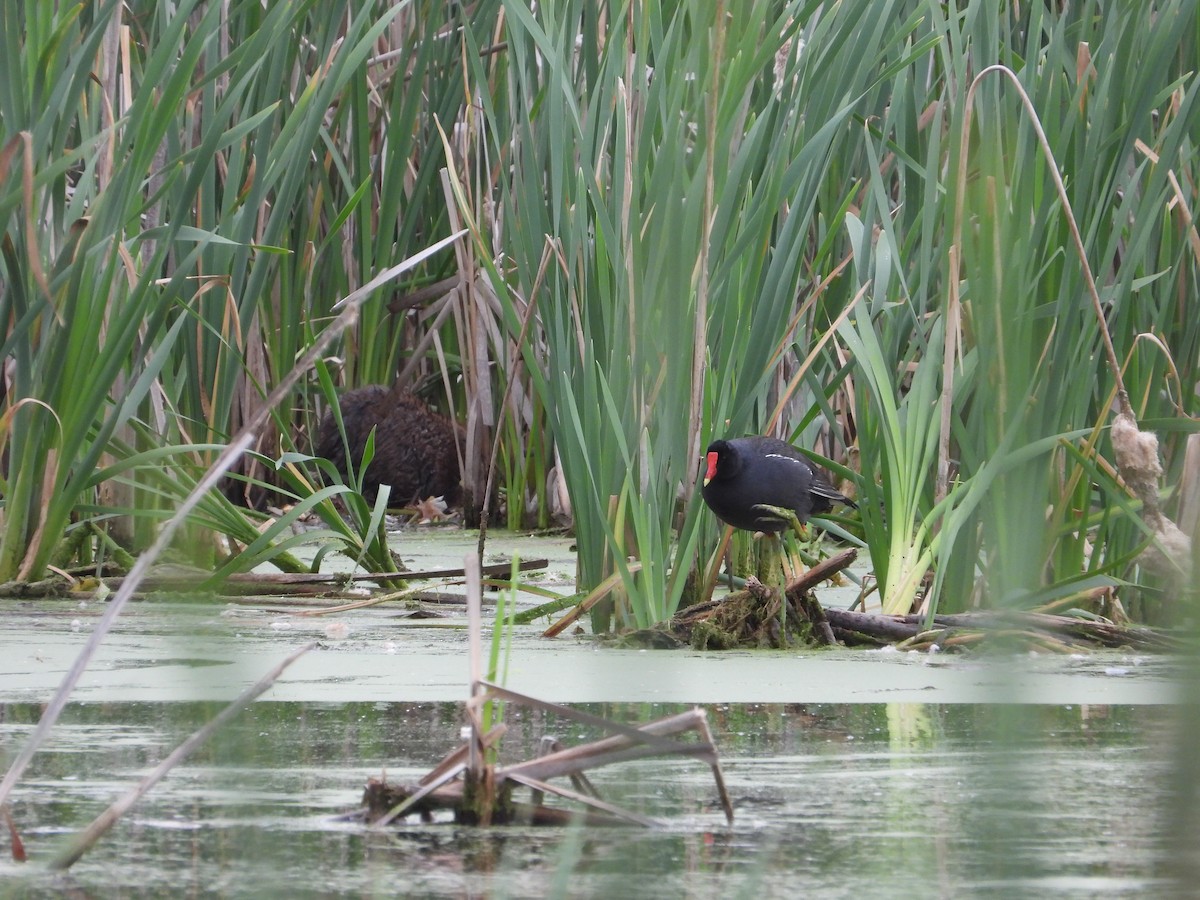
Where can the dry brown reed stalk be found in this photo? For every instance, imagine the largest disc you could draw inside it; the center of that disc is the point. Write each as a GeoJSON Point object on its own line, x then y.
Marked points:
{"type": "Point", "coordinates": [469, 782]}
{"type": "Point", "coordinates": [612, 583]}
{"type": "Point", "coordinates": [440, 790]}
{"type": "Point", "coordinates": [513, 373]}
{"type": "Point", "coordinates": [1069, 214]}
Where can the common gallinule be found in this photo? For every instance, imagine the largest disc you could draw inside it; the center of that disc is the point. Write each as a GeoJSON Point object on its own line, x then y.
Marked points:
{"type": "Point", "coordinates": [747, 476]}
{"type": "Point", "coordinates": [415, 449]}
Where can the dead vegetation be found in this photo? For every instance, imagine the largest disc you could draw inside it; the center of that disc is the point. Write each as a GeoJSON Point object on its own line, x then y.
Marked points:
{"type": "Point", "coordinates": [756, 618]}
{"type": "Point", "coordinates": [471, 784]}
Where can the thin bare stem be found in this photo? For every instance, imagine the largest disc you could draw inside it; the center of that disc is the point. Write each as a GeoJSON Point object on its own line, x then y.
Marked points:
{"type": "Point", "coordinates": [87, 838]}
{"type": "Point", "coordinates": [794, 383]}
{"type": "Point", "coordinates": [1051, 164]}
{"type": "Point", "coordinates": [513, 372]}
{"type": "Point", "coordinates": [950, 351]}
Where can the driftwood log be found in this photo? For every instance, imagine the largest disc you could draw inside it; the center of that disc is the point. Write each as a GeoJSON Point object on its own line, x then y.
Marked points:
{"type": "Point", "coordinates": [961, 630]}
{"type": "Point", "coordinates": [259, 586]}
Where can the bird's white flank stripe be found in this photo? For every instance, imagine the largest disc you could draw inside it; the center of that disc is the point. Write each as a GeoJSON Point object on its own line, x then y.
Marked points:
{"type": "Point", "coordinates": [790, 459]}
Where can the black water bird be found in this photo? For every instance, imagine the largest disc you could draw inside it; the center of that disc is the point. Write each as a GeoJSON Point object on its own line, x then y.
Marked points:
{"type": "Point", "coordinates": [752, 482]}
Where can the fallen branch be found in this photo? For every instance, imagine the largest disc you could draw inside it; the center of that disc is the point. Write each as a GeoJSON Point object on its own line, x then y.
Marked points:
{"type": "Point", "coordinates": [1069, 632]}
{"type": "Point", "coordinates": [477, 791]}
{"type": "Point", "coordinates": [823, 571]}
{"type": "Point", "coordinates": [251, 583]}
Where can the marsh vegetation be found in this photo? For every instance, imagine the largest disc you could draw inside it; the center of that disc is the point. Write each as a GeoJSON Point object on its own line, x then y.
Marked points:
{"type": "Point", "coordinates": [949, 247]}
{"type": "Point", "coordinates": [832, 222]}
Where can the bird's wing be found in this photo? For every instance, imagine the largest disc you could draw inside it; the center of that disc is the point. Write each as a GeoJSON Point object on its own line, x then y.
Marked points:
{"type": "Point", "coordinates": [823, 488]}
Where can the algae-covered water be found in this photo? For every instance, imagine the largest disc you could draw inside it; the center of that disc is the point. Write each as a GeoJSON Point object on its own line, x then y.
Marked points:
{"type": "Point", "coordinates": [853, 774]}
{"type": "Point", "coordinates": [874, 799]}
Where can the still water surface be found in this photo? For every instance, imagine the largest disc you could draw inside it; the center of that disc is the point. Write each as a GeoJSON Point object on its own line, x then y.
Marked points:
{"type": "Point", "coordinates": [861, 800]}
{"type": "Point", "coordinates": [853, 774]}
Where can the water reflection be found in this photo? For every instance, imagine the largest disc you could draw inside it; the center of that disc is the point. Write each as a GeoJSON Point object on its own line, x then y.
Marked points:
{"type": "Point", "coordinates": [846, 800]}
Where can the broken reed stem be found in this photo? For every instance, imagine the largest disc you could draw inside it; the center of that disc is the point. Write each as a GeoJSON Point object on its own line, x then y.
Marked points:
{"type": "Point", "coordinates": [649, 733]}
{"type": "Point", "coordinates": [427, 788]}
{"type": "Point", "coordinates": [102, 823]}
{"type": "Point", "coordinates": [475, 794]}
{"type": "Point", "coordinates": [822, 571]}
{"type": "Point", "coordinates": [713, 571]}
{"type": "Point", "coordinates": [587, 800]}
{"type": "Point", "coordinates": [455, 576]}
{"type": "Point", "coordinates": [649, 740]}
{"type": "Point", "coordinates": [475, 755]}
{"type": "Point", "coordinates": [16, 845]}
{"type": "Point", "coordinates": [602, 753]}
{"type": "Point", "coordinates": [366, 602]}
{"type": "Point", "coordinates": [718, 776]}
{"type": "Point", "coordinates": [599, 592]}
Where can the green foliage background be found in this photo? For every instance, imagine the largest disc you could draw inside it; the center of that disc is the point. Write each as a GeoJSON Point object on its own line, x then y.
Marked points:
{"type": "Point", "coordinates": [716, 218]}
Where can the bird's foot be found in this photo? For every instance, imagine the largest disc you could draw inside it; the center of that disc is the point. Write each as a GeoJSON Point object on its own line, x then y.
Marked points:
{"type": "Point", "coordinates": [431, 509]}
{"type": "Point", "coordinates": [784, 515]}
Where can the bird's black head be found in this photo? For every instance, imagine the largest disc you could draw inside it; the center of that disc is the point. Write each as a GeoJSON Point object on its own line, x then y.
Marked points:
{"type": "Point", "coordinates": [721, 461]}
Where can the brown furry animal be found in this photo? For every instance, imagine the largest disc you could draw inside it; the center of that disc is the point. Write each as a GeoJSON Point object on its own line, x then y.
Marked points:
{"type": "Point", "coordinates": [415, 449]}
